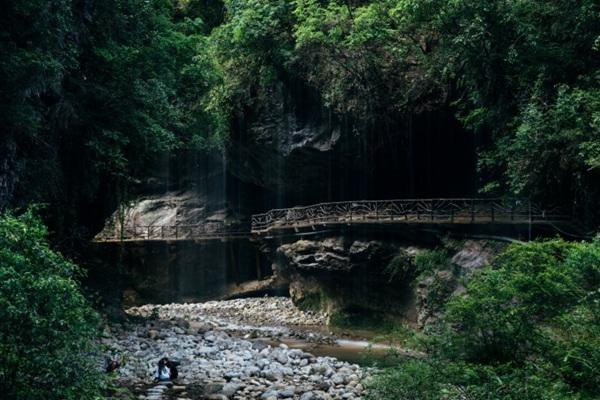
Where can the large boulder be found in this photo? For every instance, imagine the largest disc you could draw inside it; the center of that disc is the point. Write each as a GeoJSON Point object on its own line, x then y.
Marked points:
{"type": "Point", "coordinates": [474, 255]}
{"type": "Point", "coordinates": [341, 274]}
{"type": "Point", "coordinates": [286, 143]}
{"type": "Point", "coordinates": [335, 254]}
{"type": "Point", "coordinates": [178, 208]}
{"type": "Point", "coordinates": [338, 273]}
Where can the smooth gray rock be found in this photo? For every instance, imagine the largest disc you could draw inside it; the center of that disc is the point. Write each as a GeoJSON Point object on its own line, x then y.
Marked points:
{"type": "Point", "coordinates": [270, 394]}
{"type": "Point", "coordinates": [287, 392]}
{"type": "Point", "coordinates": [217, 396]}
{"type": "Point", "coordinates": [230, 388]}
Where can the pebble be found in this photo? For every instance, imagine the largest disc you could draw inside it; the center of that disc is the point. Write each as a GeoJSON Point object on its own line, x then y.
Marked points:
{"type": "Point", "coordinates": [213, 342]}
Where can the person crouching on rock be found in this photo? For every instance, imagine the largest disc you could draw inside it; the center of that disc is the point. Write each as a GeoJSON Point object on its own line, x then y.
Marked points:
{"type": "Point", "coordinates": [111, 365]}
{"type": "Point", "coordinates": [162, 371]}
{"type": "Point", "coordinates": [172, 365]}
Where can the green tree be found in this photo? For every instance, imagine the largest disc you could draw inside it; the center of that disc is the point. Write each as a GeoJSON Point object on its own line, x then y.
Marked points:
{"type": "Point", "coordinates": [527, 328]}
{"type": "Point", "coordinates": [249, 52]}
{"type": "Point", "coordinates": [37, 52]}
{"type": "Point", "coordinates": [555, 152]}
{"type": "Point", "coordinates": [94, 96]}
{"type": "Point", "coordinates": [48, 330]}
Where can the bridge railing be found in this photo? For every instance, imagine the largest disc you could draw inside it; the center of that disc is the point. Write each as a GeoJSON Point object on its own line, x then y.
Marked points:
{"type": "Point", "coordinates": [408, 210]}
{"type": "Point", "coordinates": [176, 232]}
{"type": "Point", "coordinates": [452, 211]}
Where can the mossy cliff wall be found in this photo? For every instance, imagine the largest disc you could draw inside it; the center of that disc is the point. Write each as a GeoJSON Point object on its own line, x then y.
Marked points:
{"type": "Point", "coordinates": [377, 277]}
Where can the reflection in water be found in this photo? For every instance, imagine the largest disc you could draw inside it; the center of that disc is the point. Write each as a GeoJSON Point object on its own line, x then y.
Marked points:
{"type": "Point", "coordinates": [360, 352]}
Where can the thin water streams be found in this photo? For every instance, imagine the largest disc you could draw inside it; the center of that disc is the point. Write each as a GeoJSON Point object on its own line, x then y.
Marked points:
{"type": "Point", "coordinates": [361, 352]}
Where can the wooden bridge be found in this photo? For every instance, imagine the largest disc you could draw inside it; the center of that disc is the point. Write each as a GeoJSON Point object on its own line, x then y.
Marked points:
{"type": "Point", "coordinates": [208, 231]}
{"type": "Point", "coordinates": [295, 220]}
{"type": "Point", "coordinates": [408, 211]}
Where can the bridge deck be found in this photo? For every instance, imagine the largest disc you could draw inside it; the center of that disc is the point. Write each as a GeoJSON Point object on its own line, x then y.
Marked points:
{"type": "Point", "coordinates": [411, 220]}
{"type": "Point", "coordinates": [182, 237]}
{"type": "Point", "coordinates": [458, 212]}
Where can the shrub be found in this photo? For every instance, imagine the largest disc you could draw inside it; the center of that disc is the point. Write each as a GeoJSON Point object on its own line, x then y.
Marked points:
{"type": "Point", "coordinates": [411, 380]}
{"type": "Point", "coordinates": [431, 379]}
{"type": "Point", "coordinates": [399, 268]}
{"type": "Point", "coordinates": [500, 316]}
{"type": "Point", "coordinates": [428, 261]}
{"type": "Point", "coordinates": [528, 328]}
{"type": "Point", "coordinates": [47, 327]}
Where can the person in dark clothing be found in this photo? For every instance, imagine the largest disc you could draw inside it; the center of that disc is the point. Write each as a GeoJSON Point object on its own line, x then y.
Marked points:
{"type": "Point", "coordinates": [172, 365]}
{"type": "Point", "coordinates": [112, 365]}
{"type": "Point", "coordinates": [162, 371]}
{"type": "Point", "coordinates": [166, 370]}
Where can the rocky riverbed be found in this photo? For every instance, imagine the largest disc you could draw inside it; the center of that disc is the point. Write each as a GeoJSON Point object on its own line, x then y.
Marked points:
{"type": "Point", "coordinates": [227, 350]}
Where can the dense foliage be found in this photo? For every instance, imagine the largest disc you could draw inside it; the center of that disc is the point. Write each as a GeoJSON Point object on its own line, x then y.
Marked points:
{"type": "Point", "coordinates": [95, 93]}
{"type": "Point", "coordinates": [528, 328]}
{"type": "Point", "coordinates": [92, 95]}
{"type": "Point", "coordinates": [48, 328]}
{"type": "Point", "coordinates": [522, 75]}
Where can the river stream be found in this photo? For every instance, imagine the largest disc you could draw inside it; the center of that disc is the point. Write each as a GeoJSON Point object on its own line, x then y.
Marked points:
{"type": "Point", "coordinates": [256, 348]}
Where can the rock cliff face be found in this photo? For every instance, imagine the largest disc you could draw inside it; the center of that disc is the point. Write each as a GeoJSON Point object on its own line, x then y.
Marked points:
{"type": "Point", "coordinates": [173, 208]}
{"type": "Point", "coordinates": [300, 152]}
{"type": "Point", "coordinates": [286, 145]}
{"type": "Point", "coordinates": [178, 271]}
{"type": "Point", "coordinates": [334, 254]}
{"type": "Point", "coordinates": [341, 274]}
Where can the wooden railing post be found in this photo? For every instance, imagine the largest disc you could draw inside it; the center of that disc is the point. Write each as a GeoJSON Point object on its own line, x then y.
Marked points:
{"type": "Point", "coordinates": [431, 209]}
{"type": "Point", "coordinates": [472, 211]}
{"type": "Point", "coordinates": [492, 211]}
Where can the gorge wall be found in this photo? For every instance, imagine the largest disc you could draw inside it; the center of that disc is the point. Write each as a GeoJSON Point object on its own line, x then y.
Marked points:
{"type": "Point", "coordinates": [296, 152]}
{"type": "Point", "coordinates": [178, 271]}
{"type": "Point", "coordinates": [288, 151]}
{"type": "Point", "coordinates": [357, 273]}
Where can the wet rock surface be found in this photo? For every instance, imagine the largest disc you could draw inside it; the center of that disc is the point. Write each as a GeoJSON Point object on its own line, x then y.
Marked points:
{"type": "Point", "coordinates": [182, 208]}
{"type": "Point", "coordinates": [334, 254]}
{"type": "Point", "coordinates": [221, 357]}
{"type": "Point", "coordinates": [345, 274]}
{"type": "Point", "coordinates": [267, 313]}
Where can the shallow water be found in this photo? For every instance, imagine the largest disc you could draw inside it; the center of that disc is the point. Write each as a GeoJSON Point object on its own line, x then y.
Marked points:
{"type": "Point", "coordinates": [361, 352]}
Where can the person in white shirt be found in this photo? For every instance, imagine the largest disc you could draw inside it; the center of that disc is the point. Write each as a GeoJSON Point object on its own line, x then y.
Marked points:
{"type": "Point", "coordinates": [162, 371]}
